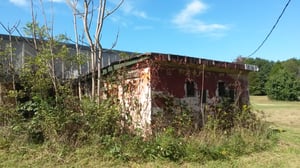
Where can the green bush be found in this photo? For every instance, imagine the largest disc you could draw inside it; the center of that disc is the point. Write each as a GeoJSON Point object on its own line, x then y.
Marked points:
{"type": "Point", "coordinates": [173, 151]}
{"type": "Point", "coordinates": [66, 120]}
{"type": "Point", "coordinates": [283, 85]}
{"type": "Point", "coordinates": [169, 146]}
{"type": "Point", "coordinates": [8, 115]}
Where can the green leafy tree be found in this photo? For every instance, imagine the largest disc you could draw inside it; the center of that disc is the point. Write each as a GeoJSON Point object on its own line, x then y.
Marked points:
{"type": "Point", "coordinates": [43, 73]}
{"type": "Point", "coordinates": [282, 84]}
{"type": "Point", "coordinates": [293, 66]}
{"type": "Point", "coordinates": [257, 80]}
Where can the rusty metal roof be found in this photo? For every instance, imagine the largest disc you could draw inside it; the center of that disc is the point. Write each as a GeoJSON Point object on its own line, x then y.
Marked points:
{"type": "Point", "coordinates": [183, 60]}
{"type": "Point", "coordinates": [200, 61]}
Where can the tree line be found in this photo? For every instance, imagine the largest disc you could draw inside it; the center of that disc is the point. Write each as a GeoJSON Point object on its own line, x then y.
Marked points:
{"type": "Point", "coordinates": [278, 80]}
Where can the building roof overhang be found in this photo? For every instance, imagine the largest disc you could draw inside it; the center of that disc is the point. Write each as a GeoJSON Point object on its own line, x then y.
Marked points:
{"type": "Point", "coordinates": [179, 60]}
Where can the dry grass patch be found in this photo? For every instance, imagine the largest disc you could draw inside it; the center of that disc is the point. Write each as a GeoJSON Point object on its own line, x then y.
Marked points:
{"type": "Point", "coordinates": [280, 113]}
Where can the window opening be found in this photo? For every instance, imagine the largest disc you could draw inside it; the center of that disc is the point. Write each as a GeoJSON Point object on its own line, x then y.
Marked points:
{"type": "Point", "coordinates": [190, 88]}
{"type": "Point", "coordinates": [221, 89]}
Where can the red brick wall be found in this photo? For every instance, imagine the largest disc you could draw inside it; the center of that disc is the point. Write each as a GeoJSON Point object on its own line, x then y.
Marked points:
{"type": "Point", "coordinates": [172, 79]}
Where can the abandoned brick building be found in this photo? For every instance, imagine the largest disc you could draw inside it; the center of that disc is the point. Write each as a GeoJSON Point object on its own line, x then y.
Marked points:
{"type": "Point", "coordinates": [152, 79]}
{"type": "Point", "coordinates": [155, 79]}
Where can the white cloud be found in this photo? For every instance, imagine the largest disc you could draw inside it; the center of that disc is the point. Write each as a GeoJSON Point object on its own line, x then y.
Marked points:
{"type": "Point", "coordinates": [127, 12]}
{"type": "Point", "coordinates": [128, 8]}
{"type": "Point", "coordinates": [192, 9]}
{"type": "Point", "coordinates": [19, 2]}
{"type": "Point", "coordinates": [186, 19]}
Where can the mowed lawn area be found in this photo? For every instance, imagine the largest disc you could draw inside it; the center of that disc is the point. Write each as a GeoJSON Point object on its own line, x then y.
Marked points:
{"type": "Point", "coordinates": [284, 116]}
{"type": "Point", "coordinates": [281, 113]}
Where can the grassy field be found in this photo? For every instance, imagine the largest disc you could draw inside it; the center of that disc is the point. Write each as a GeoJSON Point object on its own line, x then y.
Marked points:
{"type": "Point", "coordinates": [284, 116]}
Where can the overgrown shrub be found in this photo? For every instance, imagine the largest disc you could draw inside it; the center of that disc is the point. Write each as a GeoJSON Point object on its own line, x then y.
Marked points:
{"type": "Point", "coordinates": [229, 132]}
{"type": "Point", "coordinates": [166, 145]}
{"type": "Point", "coordinates": [65, 120]}
{"type": "Point", "coordinates": [225, 115]}
{"type": "Point", "coordinates": [174, 114]}
{"type": "Point", "coordinates": [8, 115]}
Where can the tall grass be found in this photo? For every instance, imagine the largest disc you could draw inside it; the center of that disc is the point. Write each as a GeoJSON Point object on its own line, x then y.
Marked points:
{"type": "Point", "coordinates": [95, 139]}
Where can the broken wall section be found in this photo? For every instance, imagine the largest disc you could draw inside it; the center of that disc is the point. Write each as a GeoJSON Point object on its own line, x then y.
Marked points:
{"type": "Point", "coordinates": [133, 90]}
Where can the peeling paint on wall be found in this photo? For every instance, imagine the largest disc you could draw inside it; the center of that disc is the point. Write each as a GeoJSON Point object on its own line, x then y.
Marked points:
{"type": "Point", "coordinates": [215, 85]}
{"type": "Point", "coordinates": [136, 99]}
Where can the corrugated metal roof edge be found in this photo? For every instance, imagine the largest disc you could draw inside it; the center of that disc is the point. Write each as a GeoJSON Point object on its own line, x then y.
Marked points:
{"type": "Point", "coordinates": [201, 61]}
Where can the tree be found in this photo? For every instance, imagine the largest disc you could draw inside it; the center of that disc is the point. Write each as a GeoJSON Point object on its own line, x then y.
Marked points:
{"type": "Point", "coordinates": [257, 80]}
{"type": "Point", "coordinates": [73, 4]}
{"type": "Point", "coordinates": [94, 39]}
{"type": "Point", "coordinates": [293, 66]}
{"type": "Point", "coordinates": [282, 84]}
{"type": "Point", "coordinates": [41, 70]}
{"type": "Point", "coordinates": [8, 57]}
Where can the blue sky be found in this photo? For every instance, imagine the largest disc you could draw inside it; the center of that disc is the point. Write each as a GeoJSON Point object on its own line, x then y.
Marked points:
{"type": "Point", "coordinates": [211, 29]}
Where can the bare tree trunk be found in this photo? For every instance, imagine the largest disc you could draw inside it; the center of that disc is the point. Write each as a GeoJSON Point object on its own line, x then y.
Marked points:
{"type": "Point", "coordinates": [93, 74]}
{"type": "Point", "coordinates": [11, 66]}
{"type": "Point", "coordinates": [99, 46]}
{"type": "Point", "coordinates": [51, 64]}
{"type": "Point", "coordinates": [89, 38]}
{"type": "Point", "coordinates": [95, 45]}
{"type": "Point", "coordinates": [33, 26]}
{"type": "Point", "coordinates": [77, 55]}
{"type": "Point", "coordinates": [99, 74]}
{"type": "Point", "coordinates": [73, 5]}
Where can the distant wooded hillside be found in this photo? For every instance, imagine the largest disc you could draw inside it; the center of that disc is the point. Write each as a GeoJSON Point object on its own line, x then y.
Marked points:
{"type": "Point", "coordinates": [278, 80]}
